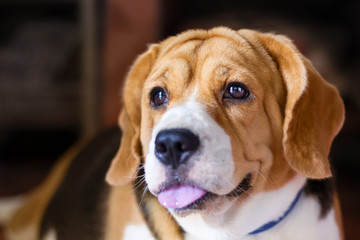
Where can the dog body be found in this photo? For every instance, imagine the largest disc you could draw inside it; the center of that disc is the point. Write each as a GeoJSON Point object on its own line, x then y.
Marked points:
{"type": "Point", "coordinates": [225, 135]}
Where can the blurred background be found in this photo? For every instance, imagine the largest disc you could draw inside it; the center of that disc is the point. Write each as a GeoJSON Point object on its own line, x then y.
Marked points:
{"type": "Point", "coordinates": [62, 63]}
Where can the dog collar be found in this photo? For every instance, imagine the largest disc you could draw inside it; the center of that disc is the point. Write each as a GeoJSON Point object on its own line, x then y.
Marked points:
{"type": "Point", "coordinates": [271, 224]}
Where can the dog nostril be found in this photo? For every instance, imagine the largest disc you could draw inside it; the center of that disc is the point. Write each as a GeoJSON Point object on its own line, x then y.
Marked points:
{"type": "Point", "coordinates": [180, 147]}
{"type": "Point", "coordinates": [160, 148]}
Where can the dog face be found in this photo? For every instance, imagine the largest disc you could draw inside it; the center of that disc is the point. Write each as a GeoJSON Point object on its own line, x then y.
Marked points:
{"type": "Point", "coordinates": [214, 115]}
{"type": "Point", "coordinates": [208, 91]}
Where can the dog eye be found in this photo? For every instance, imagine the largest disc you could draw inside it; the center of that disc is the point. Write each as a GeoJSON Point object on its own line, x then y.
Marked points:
{"type": "Point", "coordinates": [158, 97]}
{"type": "Point", "coordinates": [237, 91]}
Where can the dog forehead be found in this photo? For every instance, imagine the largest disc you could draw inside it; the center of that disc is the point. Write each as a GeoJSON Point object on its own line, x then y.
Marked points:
{"type": "Point", "coordinates": [207, 63]}
{"type": "Point", "coordinates": [195, 51]}
{"type": "Point", "coordinates": [200, 60]}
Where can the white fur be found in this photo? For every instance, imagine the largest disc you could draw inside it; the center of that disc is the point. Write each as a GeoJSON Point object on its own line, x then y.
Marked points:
{"type": "Point", "coordinates": [214, 159]}
{"type": "Point", "coordinates": [50, 235]}
{"type": "Point", "coordinates": [327, 228]}
{"type": "Point", "coordinates": [133, 232]}
{"type": "Point", "coordinates": [9, 205]}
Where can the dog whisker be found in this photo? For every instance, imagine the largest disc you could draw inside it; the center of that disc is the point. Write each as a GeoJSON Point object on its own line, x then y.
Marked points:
{"type": "Point", "coordinates": [167, 214]}
{"type": "Point", "coordinates": [134, 177]}
{"type": "Point", "coordinates": [262, 175]}
{"type": "Point", "coordinates": [230, 234]}
{"type": "Point", "coordinates": [273, 183]}
{"type": "Point", "coordinates": [138, 181]}
{"type": "Point", "coordinates": [142, 196]}
{"type": "Point", "coordinates": [232, 185]}
{"type": "Point", "coordinates": [138, 184]}
{"type": "Point", "coordinates": [266, 180]}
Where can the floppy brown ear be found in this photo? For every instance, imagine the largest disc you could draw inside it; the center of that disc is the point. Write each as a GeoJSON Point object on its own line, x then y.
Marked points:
{"type": "Point", "coordinates": [314, 111]}
{"type": "Point", "coordinates": [126, 162]}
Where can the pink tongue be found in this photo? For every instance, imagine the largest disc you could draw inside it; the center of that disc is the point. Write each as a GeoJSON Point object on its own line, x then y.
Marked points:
{"type": "Point", "coordinates": [180, 196]}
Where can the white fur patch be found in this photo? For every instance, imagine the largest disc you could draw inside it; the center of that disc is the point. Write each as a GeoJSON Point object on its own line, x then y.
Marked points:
{"type": "Point", "coordinates": [50, 235]}
{"type": "Point", "coordinates": [133, 232]}
{"type": "Point", "coordinates": [327, 228]}
{"type": "Point", "coordinates": [304, 223]}
{"type": "Point", "coordinates": [213, 167]}
{"type": "Point", "coordinates": [9, 205]}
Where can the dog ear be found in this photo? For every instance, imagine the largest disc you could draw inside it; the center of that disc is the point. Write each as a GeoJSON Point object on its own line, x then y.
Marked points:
{"type": "Point", "coordinates": [126, 162]}
{"type": "Point", "coordinates": [314, 111]}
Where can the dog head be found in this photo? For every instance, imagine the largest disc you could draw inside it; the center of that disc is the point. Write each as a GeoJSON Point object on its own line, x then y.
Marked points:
{"type": "Point", "coordinates": [214, 114]}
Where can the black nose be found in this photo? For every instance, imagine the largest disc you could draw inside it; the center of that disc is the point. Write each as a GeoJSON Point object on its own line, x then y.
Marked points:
{"type": "Point", "coordinates": [174, 146]}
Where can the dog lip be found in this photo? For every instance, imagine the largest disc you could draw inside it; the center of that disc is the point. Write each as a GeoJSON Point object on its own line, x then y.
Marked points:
{"type": "Point", "coordinates": [198, 204]}
{"type": "Point", "coordinates": [241, 188]}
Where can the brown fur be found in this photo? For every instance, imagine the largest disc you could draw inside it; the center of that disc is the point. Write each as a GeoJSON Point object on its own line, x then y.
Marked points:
{"type": "Point", "coordinates": [123, 210]}
{"type": "Point", "coordinates": [164, 225]}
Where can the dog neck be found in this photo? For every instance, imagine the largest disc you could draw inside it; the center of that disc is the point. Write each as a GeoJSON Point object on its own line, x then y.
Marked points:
{"type": "Point", "coordinates": [259, 213]}
{"type": "Point", "coordinates": [273, 223]}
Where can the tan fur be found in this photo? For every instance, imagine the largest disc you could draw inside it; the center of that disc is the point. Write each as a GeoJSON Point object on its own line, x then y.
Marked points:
{"type": "Point", "coordinates": [123, 168]}
{"type": "Point", "coordinates": [309, 127]}
{"type": "Point", "coordinates": [122, 210]}
{"type": "Point", "coordinates": [163, 222]}
{"type": "Point", "coordinates": [25, 224]}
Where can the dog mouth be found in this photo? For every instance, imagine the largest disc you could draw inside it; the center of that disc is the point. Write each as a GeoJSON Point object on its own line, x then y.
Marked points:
{"type": "Point", "coordinates": [186, 197]}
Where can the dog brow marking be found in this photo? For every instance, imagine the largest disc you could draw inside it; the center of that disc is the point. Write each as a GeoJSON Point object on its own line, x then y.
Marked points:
{"type": "Point", "coordinates": [194, 94]}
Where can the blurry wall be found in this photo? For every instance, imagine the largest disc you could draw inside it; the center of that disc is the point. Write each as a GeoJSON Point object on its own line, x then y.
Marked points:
{"type": "Point", "coordinates": [40, 79]}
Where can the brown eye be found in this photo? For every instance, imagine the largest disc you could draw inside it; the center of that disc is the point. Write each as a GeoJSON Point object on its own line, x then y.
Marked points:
{"type": "Point", "coordinates": [158, 97]}
{"type": "Point", "coordinates": [237, 91]}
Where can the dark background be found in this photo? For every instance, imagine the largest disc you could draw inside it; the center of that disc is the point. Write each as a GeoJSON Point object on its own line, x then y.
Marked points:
{"type": "Point", "coordinates": [61, 60]}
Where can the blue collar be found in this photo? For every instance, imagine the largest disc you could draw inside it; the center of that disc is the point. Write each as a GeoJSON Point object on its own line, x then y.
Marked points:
{"type": "Point", "coordinates": [271, 224]}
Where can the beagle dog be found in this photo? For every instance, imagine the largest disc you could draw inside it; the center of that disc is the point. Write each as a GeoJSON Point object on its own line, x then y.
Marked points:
{"type": "Point", "coordinates": [225, 136]}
